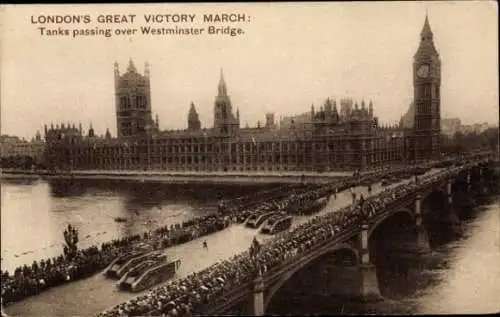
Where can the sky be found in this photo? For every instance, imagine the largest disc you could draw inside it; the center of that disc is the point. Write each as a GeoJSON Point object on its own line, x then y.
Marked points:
{"type": "Point", "coordinates": [291, 56]}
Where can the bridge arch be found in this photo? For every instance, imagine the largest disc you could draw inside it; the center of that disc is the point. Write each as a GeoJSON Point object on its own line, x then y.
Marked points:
{"type": "Point", "coordinates": [341, 247]}
{"type": "Point", "coordinates": [390, 215]}
{"type": "Point", "coordinates": [459, 181]}
{"type": "Point", "coordinates": [434, 195]}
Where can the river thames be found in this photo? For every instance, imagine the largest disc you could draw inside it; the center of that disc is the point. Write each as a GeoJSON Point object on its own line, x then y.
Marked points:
{"type": "Point", "coordinates": [463, 275]}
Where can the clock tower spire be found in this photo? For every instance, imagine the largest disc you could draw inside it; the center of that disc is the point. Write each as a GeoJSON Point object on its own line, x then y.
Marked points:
{"type": "Point", "coordinates": [427, 99]}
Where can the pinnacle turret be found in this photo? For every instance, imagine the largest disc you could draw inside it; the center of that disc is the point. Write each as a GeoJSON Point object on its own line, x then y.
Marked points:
{"type": "Point", "coordinates": [193, 118]}
{"type": "Point", "coordinates": [426, 32]}
{"type": "Point", "coordinates": [91, 131]}
{"type": "Point", "coordinates": [426, 47]}
{"type": "Point", "coordinates": [222, 85]}
{"type": "Point", "coordinates": [131, 67]}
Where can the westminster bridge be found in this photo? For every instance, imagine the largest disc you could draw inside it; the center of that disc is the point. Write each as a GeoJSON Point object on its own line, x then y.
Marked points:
{"type": "Point", "coordinates": [392, 221]}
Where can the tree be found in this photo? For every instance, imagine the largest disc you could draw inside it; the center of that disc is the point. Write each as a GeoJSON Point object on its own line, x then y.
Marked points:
{"type": "Point", "coordinates": [71, 239]}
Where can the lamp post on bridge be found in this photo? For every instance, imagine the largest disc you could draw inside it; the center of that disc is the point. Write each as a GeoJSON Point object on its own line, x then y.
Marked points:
{"type": "Point", "coordinates": [422, 236]}
{"type": "Point", "coordinates": [452, 216]}
{"type": "Point", "coordinates": [258, 295]}
{"type": "Point", "coordinates": [369, 290]}
{"type": "Point", "coordinates": [258, 282]}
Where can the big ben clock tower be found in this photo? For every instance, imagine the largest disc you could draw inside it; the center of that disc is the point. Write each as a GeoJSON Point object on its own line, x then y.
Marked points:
{"type": "Point", "coordinates": [427, 98]}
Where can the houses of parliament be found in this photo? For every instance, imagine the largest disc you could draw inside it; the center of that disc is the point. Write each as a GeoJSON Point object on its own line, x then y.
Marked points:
{"type": "Point", "coordinates": [343, 135]}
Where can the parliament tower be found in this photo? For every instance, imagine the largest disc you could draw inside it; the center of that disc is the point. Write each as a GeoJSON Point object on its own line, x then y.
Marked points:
{"type": "Point", "coordinates": [225, 122]}
{"type": "Point", "coordinates": [133, 102]}
{"type": "Point", "coordinates": [427, 98]}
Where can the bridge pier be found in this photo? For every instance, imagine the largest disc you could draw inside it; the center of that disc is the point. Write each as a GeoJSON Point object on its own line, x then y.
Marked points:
{"type": "Point", "coordinates": [258, 296]}
{"type": "Point", "coordinates": [423, 245]}
{"type": "Point", "coordinates": [449, 194]}
{"type": "Point", "coordinates": [369, 290]}
{"type": "Point", "coordinates": [468, 181]}
{"type": "Point", "coordinates": [451, 212]}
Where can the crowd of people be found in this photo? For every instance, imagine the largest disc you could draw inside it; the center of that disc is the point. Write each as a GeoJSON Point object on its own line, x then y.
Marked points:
{"type": "Point", "coordinates": [41, 275]}
{"type": "Point", "coordinates": [30, 280]}
{"type": "Point", "coordinates": [27, 281]}
{"type": "Point", "coordinates": [200, 291]}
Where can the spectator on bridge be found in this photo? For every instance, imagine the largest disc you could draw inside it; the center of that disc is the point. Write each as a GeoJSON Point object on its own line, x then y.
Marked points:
{"type": "Point", "coordinates": [255, 247]}
{"type": "Point", "coordinates": [361, 200]}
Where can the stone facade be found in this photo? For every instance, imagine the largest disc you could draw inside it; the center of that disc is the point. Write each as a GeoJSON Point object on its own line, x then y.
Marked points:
{"type": "Point", "coordinates": [329, 142]}
{"type": "Point", "coordinates": [334, 137]}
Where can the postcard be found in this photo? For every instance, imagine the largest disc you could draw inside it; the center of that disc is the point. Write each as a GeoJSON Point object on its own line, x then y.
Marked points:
{"type": "Point", "coordinates": [249, 158]}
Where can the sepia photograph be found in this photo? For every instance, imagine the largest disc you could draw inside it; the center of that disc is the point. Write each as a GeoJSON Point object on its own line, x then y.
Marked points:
{"type": "Point", "coordinates": [249, 159]}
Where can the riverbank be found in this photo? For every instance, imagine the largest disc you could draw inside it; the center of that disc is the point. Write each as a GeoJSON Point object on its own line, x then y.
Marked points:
{"type": "Point", "coordinates": [183, 177]}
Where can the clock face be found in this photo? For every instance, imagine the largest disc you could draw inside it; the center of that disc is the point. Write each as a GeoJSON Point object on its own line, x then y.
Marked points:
{"type": "Point", "coordinates": [423, 71]}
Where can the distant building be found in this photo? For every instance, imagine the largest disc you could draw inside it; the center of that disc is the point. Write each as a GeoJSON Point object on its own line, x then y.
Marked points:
{"type": "Point", "coordinates": [450, 126]}
{"type": "Point", "coordinates": [476, 128]}
{"type": "Point", "coordinates": [11, 146]}
{"type": "Point", "coordinates": [453, 125]}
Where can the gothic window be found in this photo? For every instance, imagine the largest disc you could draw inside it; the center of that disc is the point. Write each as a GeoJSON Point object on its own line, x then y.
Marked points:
{"type": "Point", "coordinates": [123, 102]}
